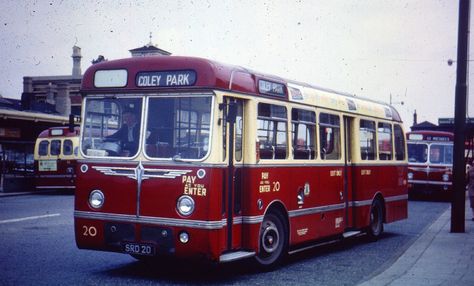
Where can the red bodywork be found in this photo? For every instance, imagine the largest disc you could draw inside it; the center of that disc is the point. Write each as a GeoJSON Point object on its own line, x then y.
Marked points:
{"type": "Point", "coordinates": [315, 219]}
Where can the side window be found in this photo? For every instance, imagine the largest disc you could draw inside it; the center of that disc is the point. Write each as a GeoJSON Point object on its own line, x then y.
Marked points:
{"type": "Point", "coordinates": [55, 147]}
{"type": "Point", "coordinates": [367, 140]}
{"type": "Point", "coordinates": [43, 148]}
{"type": "Point", "coordinates": [399, 143]}
{"type": "Point", "coordinates": [330, 136]}
{"type": "Point", "coordinates": [384, 134]}
{"type": "Point", "coordinates": [67, 147]}
{"type": "Point", "coordinates": [271, 132]}
{"type": "Point", "coordinates": [303, 133]}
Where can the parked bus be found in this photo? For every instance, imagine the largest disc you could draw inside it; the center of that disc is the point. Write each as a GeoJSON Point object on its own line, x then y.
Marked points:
{"type": "Point", "coordinates": [230, 163]}
{"type": "Point", "coordinates": [430, 162]}
{"type": "Point", "coordinates": [56, 152]}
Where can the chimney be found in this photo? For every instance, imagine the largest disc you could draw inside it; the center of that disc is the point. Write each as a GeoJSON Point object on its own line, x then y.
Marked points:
{"type": "Point", "coordinates": [63, 100]}
{"type": "Point", "coordinates": [415, 118]}
{"type": "Point", "coordinates": [76, 61]}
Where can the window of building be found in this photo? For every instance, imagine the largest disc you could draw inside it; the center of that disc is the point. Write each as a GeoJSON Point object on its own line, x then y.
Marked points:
{"type": "Point", "coordinates": [303, 133]}
{"type": "Point", "coordinates": [272, 130]}
{"type": "Point", "coordinates": [330, 136]}
{"type": "Point", "coordinates": [367, 140]}
{"type": "Point", "coordinates": [399, 143]}
{"type": "Point", "coordinates": [384, 134]}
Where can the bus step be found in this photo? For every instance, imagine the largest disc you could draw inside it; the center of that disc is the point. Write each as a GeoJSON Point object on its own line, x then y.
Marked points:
{"type": "Point", "coordinates": [236, 255]}
{"type": "Point", "coordinates": [351, 233]}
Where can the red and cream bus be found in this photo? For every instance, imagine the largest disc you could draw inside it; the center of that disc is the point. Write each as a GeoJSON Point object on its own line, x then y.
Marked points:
{"type": "Point", "coordinates": [430, 162]}
{"type": "Point", "coordinates": [230, 163]}
{"type": "Point", "coordinates": [56, 152]}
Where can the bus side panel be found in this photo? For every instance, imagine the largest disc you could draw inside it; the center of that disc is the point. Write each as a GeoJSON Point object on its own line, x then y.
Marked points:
{"type": "Point", "coordinates": [364, 188]}
{"type": "Point", "coordinates": [390, 182]}
{"type": "Point", "coordinates": [281, 185]}
{"type": "Point", "coordinates": [396, 198]}
{"type": "Point", "coordinates": [396, 210]}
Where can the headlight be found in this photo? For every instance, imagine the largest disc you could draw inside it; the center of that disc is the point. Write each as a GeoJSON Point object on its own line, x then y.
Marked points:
{"type": "Point", "coordinates": [445, 177]}
{"type": "Point", "coordinates": [410, 176]}
{"type": "Point", "coordinates": [185, 205]}
{"type": "Point", "coordinates": [96, 199]}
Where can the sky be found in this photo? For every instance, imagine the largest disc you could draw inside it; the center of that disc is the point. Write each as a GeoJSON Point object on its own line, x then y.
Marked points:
{"type": "Point", "coordinates": [379, 49]}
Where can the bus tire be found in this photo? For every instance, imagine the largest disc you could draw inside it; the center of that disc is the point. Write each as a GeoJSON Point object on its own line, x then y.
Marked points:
{"type": "Point", "coordinates": [272, 241]}
{"type": "Point", "coordinates": [375, 228]}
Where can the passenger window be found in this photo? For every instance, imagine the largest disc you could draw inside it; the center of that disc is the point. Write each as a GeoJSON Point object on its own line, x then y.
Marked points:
{"type": "Point", "coordinates": [55, 147]}
{"type": "Point", "coordinates": [67, 147]}
{"type": "Point", "coordinates": [367, 140]}
{"type": "Point", "coordinates": [399, 143]}
{"type": "Point", "coordinates": [384, 133]}
{"type": "Point", "coordinates": [303, 134]}
{"type": "Point", "coordinates": [330, 136]}
{"type": "Point", "coordinates": [271, 132]}
{"type": "Point", "coordinates": [43, 148]}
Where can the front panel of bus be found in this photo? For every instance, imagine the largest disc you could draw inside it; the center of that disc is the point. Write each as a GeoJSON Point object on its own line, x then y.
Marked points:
{"type": "Point", "coordinates": [55, 162]}
{"type": "Point", "coordinates": [430, 166]}
{"type": "Point", "coordinates": [155, 196]}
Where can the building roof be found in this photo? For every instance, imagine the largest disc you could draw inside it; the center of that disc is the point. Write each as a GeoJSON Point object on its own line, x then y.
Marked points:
{"type": "Point", "coordinates": [150, 49]}
{"type": "Point", "coordinates": [424, 124]}
{"type": "Point", "coordinates": [33, 116]}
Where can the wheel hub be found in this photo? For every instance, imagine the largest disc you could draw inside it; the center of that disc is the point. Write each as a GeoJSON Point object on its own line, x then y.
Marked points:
{"type": "Point", "coordinates": [270, 238]}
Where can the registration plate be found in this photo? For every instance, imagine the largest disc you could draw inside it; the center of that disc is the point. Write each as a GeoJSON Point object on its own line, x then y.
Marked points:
{"type": "Point", "coordinates": [139, 248]}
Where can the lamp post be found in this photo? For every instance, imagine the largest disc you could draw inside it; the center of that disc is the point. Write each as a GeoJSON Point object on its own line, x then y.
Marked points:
{"type": "Point", "coordinates": [459, 184]}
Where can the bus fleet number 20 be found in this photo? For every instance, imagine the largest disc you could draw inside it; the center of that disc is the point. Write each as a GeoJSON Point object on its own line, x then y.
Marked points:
{"type": "Point", "coordinates": [89, 230]}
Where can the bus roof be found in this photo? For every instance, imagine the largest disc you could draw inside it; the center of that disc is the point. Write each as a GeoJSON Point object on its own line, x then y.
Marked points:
{"type": "Point", "coordinates": [60, 131]}
{"type": "Point", "coordinates": [168, 72]}
{"type": "Point", "coordinates": [429, 135]}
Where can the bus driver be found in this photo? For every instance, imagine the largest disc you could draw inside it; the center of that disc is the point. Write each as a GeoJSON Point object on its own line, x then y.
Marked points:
{"type": "Point", "coordinates": [129, 133]}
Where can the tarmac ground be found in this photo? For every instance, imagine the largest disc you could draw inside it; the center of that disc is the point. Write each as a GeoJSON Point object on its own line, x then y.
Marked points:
{"type": "Point", "coordinates": [437, 257]}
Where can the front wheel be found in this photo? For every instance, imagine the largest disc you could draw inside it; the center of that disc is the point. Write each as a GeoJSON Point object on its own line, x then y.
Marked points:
{"type": "Point", "coordinates": [272, 241]}
{"type": "Point", "coordinates": [376, 220]}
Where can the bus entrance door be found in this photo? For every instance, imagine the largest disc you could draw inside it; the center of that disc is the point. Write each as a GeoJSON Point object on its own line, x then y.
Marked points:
{"type": "Point", "coordinates": [232, 191]}
{"type": "Point", "coordinates": [348, 175]}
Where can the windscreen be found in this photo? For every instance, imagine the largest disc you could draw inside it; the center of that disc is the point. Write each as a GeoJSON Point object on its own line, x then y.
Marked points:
{"type": "Point", "coordinates": [111, 127]}
{"type": "Point", "coordinates": [441, 154]}
{"type": "Point", "coordinates": [178, 127]}
{"type": "Point", "coordinates": [417, 153]}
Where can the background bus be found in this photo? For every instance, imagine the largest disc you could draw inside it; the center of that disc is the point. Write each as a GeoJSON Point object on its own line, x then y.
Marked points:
{"type": "Point", "coordinates": [56, 153]}
{"type": "Point", "coordinates": [230, 163]}
{"type": "Point", "coordinates": [430, 162]}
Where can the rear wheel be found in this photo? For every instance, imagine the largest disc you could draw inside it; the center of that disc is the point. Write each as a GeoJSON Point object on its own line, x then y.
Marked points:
{"type": "Point", "coordinates": [376, 220]}
{"type": "Point", "coordinates": [272, 240]}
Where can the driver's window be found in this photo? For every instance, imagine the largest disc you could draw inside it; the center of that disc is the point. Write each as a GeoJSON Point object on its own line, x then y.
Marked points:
{"type": "Point", "coordinates": [112, 127]}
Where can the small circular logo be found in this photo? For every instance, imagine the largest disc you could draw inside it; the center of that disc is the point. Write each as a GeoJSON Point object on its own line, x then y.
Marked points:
{"type": "Point", "coordinates": [201, 173]}
{"type": "Point", "coordinates": [84, 168]}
